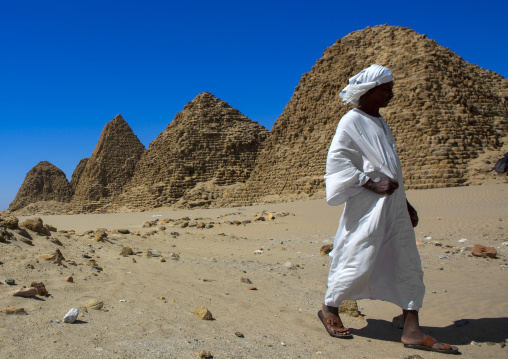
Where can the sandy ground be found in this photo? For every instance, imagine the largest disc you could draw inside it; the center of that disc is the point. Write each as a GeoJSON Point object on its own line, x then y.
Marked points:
{"type": "Point", "coordinates": [278, 320]}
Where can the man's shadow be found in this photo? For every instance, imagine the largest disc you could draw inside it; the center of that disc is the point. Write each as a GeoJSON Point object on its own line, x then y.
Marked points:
{"type": "Point", "coordinates": [481, 330]}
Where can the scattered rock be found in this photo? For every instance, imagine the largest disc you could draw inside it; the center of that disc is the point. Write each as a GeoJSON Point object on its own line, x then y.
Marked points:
{"type": "Point", "coordinates": [24, 292]}
{"type": "Point", "coordinates": [203, 313]}
{"type": "Point", "coordinates": [10, 222]}
{"type": "Point", "coordinates": [419, 243]}
{"type": "Point", "coordinates": [71, 315]}
{"type": "Point", "coordinates": [69, 279]}
{"type": "Point", "coordinates": [50, 228]}
{"type": "Point", "coordinates": [56, 241]}
{"type": "Point", "coordinates": [94, 304]}
{"type": "Point", "coordinates": [349, 307]}
{"type": "Point", "coordinates": [270, 216]}
{"type": "Point", "coordinates": [414, 356]}
{"type": "Point", "coordinates": [239, 335]}
{"type": "Point", "coordinates": [41, 288]}
{"type": "Point", "coordinates": [252, 288]}
{"type": "Point", "coordinates": [36, 225]}
{"type": "Point", "coordinates": [126, 251]}
{"type": "Point", "coordinates": [289, 265]}
{"type": "Point", "coordinates": [245, 280]}
{"type": "Point", "coordinates": [14, 310]}
{"type": "Point", "coordinates": [56, 257]}
{"type": "Point", "coordinates": [123, 231]}
{"type": "Point", "coordinates": [153, 253]}
{"type": "Point", "coordinates": [205, 354]}
{"type": "Point", "coordinates": [483, 251]}
{"type": "Point", "coordinates": [162, 260]}
{"type": "Point", "coordinates": [25, 240]}
{"type": "Point", "coordinates": [10, 281]}
{"type": "Point", "coordinates": [325, 249]}
{"type": "Point", "coordinates": [174, 256]}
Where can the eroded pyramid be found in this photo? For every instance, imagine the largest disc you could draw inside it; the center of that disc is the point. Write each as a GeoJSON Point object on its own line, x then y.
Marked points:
{"type": "Point", "coordinates": [109, 168]}
{"type": "Point", "coordinates": [208, 146]}
{"type": "Point", "coordinates": [44, 182]}
{"type": "Point", "coordinates": [445, 113]}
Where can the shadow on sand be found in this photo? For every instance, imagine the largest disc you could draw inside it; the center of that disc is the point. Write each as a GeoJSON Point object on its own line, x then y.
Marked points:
{"type": "Point", "coordinates": [483, 330]}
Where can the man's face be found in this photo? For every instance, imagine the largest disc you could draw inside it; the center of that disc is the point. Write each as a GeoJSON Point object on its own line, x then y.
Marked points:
{"type": "Point", "coordinates": [382, 94]}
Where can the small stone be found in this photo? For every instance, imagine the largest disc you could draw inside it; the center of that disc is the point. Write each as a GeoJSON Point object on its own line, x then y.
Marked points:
{"type": "Point", "coordinates": [126, 251]}
{"type": "Point", "coordinates": [94, 304]}
{"type": "Point", "coordinates": [10, 281]}
{"type": "Point", "coordinates": [252, 288]}
{"type": "Point", "coordinates": [24, 292]}
{"type": "Point", "coordinates": [71, 315]}
{"type": "Point", "coordinates": [203, 313]}
{"type": "Point", "coordinates": [414, 356]}
{"type": "Point", "coordinates": [14, 310]}
{"type": "Point", "coordinates": [123, 231]}
{"type": "Point", "coordinates": [239, 335]}
{"type": "Point", "coordinates": [205, 354]}
{"type": "Point", "coordinates": [134, 260]}
{"type": "Point", "coordinates": [36, 225]}
{"type": "Point", "coordinates": [480, 250]}
{"type": "Point", "coordinates": [162, 260]}
{"type": "Point", "coordinates": [270, 216]}
{"type": "Point", "coordinates": [69, 279]}
{"type": "Point", "coordinates": [325, 249]}
{"type": "Point", "coordinates": [55, 241]}
{"type": "Point", "coordinates": [443, 256]}
{"type": "Point", "coordinates": [289, 265]}
{"type": "Point", "coordinates": [349, 307]}
{"type": "Point", "coordinates": [161, 298]}
{"type": "Point", "coordinates": [174, 256]}
{"type": "Point", "coordinates": [41, 288]}
{"type": "Point", "coordinates": [245, 280]}
{"type": "Point", "coordinates": [25, 240]}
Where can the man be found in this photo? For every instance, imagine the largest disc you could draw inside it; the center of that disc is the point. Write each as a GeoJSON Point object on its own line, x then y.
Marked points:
{"type": "Point", "coordinates": [374, 254]}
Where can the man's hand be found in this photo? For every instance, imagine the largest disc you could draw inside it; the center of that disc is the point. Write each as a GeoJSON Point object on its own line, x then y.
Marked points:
{"type": "Point", "coordinates": [412, 214]}
{"type": "Point", "coordinates": [384, 186]}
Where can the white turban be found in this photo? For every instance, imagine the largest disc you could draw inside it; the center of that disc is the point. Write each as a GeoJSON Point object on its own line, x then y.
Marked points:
{"type": "Point", "coordinates": [363, 81]}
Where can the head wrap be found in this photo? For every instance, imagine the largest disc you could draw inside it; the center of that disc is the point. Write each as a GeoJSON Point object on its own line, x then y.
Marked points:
{"type": "Point", "coordinates": [363, 81]}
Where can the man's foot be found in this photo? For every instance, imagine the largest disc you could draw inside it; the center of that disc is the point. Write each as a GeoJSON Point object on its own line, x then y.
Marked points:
{"type": "Point", "coordinates": [430, 344]}
{"type": "Point", "coordinates": [330, 318]}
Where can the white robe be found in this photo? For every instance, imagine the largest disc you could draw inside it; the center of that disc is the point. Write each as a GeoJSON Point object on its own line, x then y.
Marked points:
{"type": "Point", "coordinates": [374, 254]}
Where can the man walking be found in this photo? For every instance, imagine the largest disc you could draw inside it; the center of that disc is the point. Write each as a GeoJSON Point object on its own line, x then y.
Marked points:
{"type": "Point", "coordinates": [374, 254]}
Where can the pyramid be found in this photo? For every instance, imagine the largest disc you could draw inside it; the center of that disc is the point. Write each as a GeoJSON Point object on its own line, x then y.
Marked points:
{"type": "Point", "coordinates": [208, 146]}
{"type": "Point", "coordinates": [78, 171]}
{"type": "Point", "coordinates": [445, 113]}
{"type": "Point", "coordinates": [44, 182]}
{"type": "Point", "coordinates": [109, 168]}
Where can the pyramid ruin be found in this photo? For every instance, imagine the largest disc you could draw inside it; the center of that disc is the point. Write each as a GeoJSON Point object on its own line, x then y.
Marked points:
{"type": "Point", "coordinates": [78, 171]}
{"type": "Point", "coordinates": [44, 182]}
{"type": "Point", "coordinates": [207, 147]}
{"type": "Point", "coordinates": [110, 167]}
{"type": "Point", "coordinates": [445, 113]}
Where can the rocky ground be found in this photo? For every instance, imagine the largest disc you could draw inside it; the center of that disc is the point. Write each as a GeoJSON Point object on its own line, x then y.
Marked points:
{"type": "Point", "coordinates": [257, 270]}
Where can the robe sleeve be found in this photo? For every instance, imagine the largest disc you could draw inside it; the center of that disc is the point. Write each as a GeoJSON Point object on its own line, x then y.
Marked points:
{"type": "Point", "coordinates": [343, 177]}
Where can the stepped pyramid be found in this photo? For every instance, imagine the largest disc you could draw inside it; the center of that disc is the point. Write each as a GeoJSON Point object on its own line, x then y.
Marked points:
{"type": "Point", "coordinates": [108, 169]}
{"type": "Point", "coordinates": [445, 112]}
{"type": "Point", "coordinates": [44, 182]}
{"type": "Point", "coordinates": [208, 146]}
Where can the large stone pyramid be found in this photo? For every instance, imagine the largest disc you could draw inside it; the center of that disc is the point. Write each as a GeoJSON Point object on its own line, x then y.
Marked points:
{"type": "Point", "coordinates": [44, 182]}
{"type": "Point", "coordinates": [445, 112]}
{"type": "Point", "coordinates": [207, 147]}
{"type": "Point", "coordinates": [78, 171]}
{"type": "Point", "coordinates": [109, 168]}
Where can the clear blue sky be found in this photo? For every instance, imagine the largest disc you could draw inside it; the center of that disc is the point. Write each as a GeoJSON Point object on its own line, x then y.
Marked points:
{"type": "Point", "coordinates": [68, 67]}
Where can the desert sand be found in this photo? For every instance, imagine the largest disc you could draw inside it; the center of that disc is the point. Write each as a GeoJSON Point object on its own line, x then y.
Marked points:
{"type": "Point", "coordinates": [149, 303]}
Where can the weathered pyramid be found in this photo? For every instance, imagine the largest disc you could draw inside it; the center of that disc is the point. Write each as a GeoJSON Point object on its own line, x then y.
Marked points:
{"type": "Point", "coordinates": [108, 169]}
{"type": "Point", "coordinates": [44, 182]}
{"type": "Point", "coordinates": [206, 147]}
{"type": "Point", "coordinates": [78, 171]}
{"type": "Point", "coordinates": [445, 112]}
